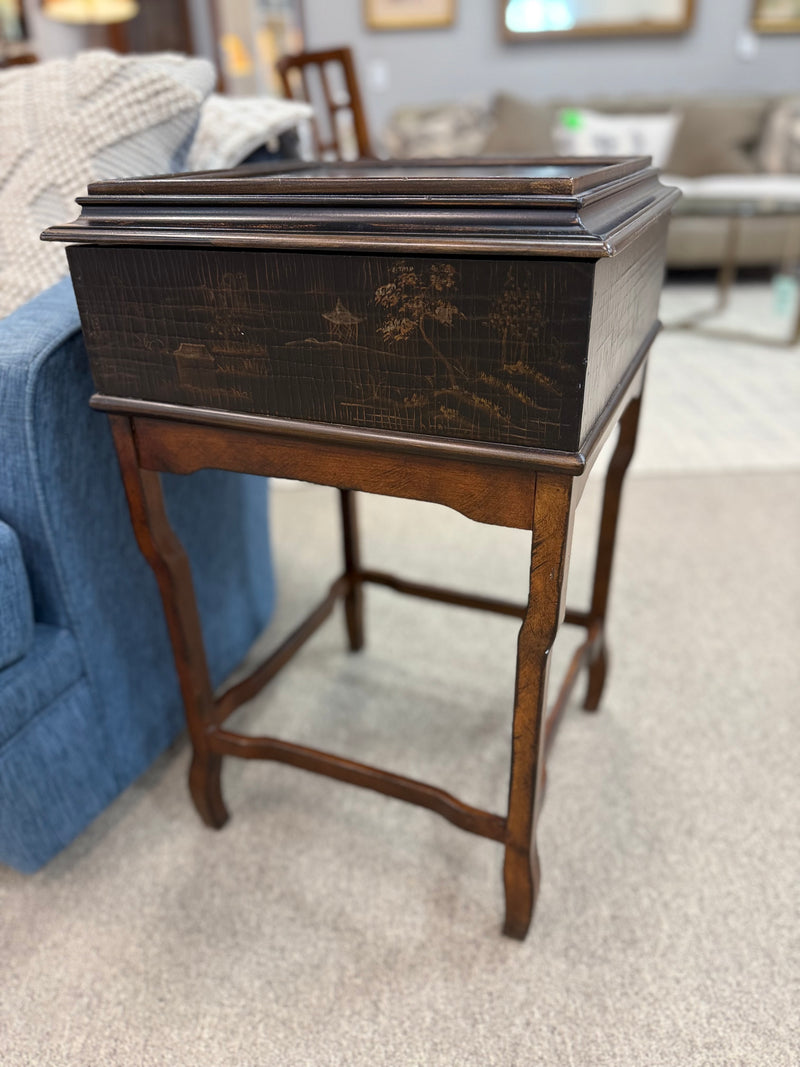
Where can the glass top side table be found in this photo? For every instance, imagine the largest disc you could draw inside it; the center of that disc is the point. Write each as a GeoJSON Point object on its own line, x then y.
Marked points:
{"type": "Point", "coordinates": [776, 205]}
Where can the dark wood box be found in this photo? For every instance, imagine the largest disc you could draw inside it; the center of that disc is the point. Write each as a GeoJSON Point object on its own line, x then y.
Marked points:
{"type": "Point", "coordinates": [497, 301]}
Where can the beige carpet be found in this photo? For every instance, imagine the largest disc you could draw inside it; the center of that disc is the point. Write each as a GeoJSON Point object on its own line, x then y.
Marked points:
{"type": "Point", "coordinates": [330, 926]}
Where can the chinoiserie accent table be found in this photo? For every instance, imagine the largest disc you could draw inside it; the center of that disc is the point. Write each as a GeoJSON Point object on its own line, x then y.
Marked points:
{"type": "Point", "coordinates": [463, 334]}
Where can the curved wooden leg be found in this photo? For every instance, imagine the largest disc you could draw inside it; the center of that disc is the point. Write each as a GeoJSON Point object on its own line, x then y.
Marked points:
{"type": "Point", "coordinates": [620, 461]}
{"type": "Point", "coordinates": [354, 598]}
{"type": "Point", "coordinates": [552, 527]}
{"type": "Point", "coordinates": [165, 554]}
{"type": "Point", "coordinates": [598, 670]}
{"type": "Point", "coordinates": [205, 788]}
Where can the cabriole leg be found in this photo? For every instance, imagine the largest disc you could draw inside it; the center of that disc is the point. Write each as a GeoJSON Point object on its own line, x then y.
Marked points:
{"type": "Point", "coordinates": [620, 461]}
{"type": "Point", "coordinates": [552, 527]}
{"type": "Point", "coordinates": [165, 554]}
{"type": "Point", "coordinates": [354, 599]}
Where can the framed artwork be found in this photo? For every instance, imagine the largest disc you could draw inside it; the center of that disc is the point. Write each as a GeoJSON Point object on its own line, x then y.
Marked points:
{"type": "Point", "coordinates": [408, 14]}
{"type": "Point", "coordinates": [776, 16]}
{"type": "Point", "coordinates": [528, 20]}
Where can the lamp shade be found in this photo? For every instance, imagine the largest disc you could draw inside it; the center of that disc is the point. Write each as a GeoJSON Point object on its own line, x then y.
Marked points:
{"type": "Point", "coordinates": [86, 12]}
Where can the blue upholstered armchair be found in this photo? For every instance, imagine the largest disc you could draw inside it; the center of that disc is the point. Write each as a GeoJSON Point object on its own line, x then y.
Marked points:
{"type": "Point", "coordinates": [88, 690]}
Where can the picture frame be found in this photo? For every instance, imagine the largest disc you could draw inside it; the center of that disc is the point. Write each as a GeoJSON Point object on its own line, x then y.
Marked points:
{"type": "Point", "coordinates": [776, 16]}
{"type": "Point", "coordinates": [526, 20]}
{"type": "Point", "coordinates": [409, 14]}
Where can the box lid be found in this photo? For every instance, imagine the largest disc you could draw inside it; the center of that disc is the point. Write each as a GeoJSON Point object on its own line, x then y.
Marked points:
{"type": "Point", "coordinates": [586, 207]}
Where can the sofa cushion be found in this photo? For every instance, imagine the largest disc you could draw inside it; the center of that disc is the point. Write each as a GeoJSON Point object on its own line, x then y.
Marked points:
{"type": "Point", "coordinates": [55, 776]}
{"type": "Point", "coordinates": [16, 617]}
{"type": "Point", "coordinates": [779, 151]}
{"type": "Point", "coordinates": [714, 136]}
{"type": "Point", "coordinates": [700, 243]}
{"type": "Point", "coordinates": [718, 137]}
{"type": "Point", "coordinates": [52, 665]}
{"type": "Point", "coordinates": [737, 188]}
{"type": "Point", "coordinates": [43, 331]}
{"type": "Point", "coordinates": [520, 128]}
{"type": "Point", "coordinates": [72, 121]}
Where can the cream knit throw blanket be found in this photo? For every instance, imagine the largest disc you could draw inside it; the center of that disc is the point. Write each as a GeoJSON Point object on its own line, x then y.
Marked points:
{"type": "Point", "coordinates": [66, 123]}
{"type": "Point", "coordinates": [231, 127]}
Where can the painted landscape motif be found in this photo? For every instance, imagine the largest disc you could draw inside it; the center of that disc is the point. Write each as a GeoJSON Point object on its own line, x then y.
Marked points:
{"type": "Point", "coordinates": [473, 349]}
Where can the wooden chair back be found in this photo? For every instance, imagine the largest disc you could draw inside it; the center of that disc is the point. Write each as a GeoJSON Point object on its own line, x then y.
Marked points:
{"type": "Point", "coordinates": [327, 80]}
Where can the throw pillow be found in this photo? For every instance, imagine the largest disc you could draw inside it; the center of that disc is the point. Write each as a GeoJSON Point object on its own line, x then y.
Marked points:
{"type": "Point", "coordinates": [582, 132]}
{"type": "Point", "coordinates": [779, 152]}
{"type": "Point", "coordinates": [520, 128]}
{"type": "Point", "coordinates": [69, 122]}
{"type": "Point", "coordinates": [439, 132]}
{"type": "Point", "coordinates": [231, 127]}
{"type": "Point", "coordinates": [717, 137]}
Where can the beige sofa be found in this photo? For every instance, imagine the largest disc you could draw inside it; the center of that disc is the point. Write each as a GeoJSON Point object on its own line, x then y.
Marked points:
{"type": "Point", "coordinates": [721, 148]}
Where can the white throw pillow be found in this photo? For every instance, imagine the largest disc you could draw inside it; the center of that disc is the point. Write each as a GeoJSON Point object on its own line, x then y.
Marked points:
{"type": "Point", "coordinates": [581, 132]}
{"type": "Point", "coordinates": [231, 127]}
{"type": "Point", "coordinates": [69, 122]}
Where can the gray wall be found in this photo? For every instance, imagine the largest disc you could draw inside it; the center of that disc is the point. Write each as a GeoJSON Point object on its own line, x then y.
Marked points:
{"type": "Point", "coordinates": [470, 60]}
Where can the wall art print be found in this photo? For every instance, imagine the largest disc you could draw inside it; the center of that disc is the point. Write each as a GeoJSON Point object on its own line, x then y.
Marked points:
{"type": "Point", "coordinates": [409, 14]}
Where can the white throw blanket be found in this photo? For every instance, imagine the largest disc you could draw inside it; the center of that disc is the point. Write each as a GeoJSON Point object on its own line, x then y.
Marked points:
{"type": "Point", "coordinates": [231, 127]}
{"type": "Point", "coordinates": [73, 121]}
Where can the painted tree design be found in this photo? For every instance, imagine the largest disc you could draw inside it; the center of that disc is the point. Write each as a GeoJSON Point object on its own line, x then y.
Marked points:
{"type": "Point", "coordinates": [415, 301]}
{"type": "Point", "coordinates": [516, 317]}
